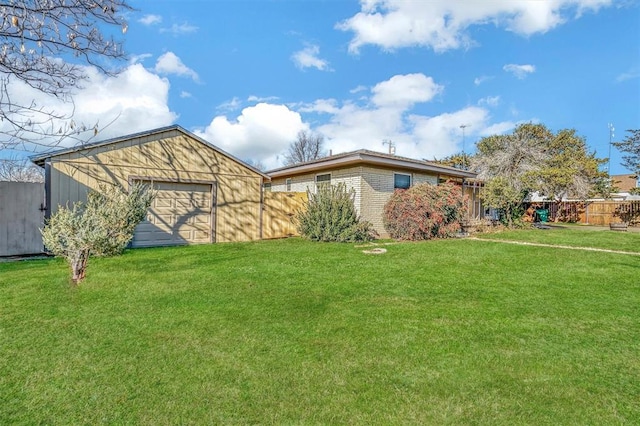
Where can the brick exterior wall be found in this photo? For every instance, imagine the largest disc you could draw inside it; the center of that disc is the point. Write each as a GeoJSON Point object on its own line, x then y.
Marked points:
{"type": "Point", "coordinates": [377, 188]}
{"type": "Point", "coordinates": [373, 187]}
{"type": "Point", "coordinates": [351, 177]}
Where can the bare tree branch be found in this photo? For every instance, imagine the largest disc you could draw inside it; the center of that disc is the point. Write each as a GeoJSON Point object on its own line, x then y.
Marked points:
{"type": "Point", "coordinates": [306, 147]}
{"type": "Point", "coordinates": [20, 170]}
{"type": "Point", "coordinates": [45, 46]}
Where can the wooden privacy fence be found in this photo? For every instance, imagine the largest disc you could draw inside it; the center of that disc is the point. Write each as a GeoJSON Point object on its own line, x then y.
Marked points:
{"type": "Point", "coordinates": [606, 212]}
{"type": "Point", "coordinates": [278, 212]}
{"type": "Point", "coordinates": [599, 213]}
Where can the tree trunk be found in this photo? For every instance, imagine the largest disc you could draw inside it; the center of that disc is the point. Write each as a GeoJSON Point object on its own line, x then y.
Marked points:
{"type": "Point", "coordinates": [79, 265]}
{"type": "Point", "coordinates": [509, 214]}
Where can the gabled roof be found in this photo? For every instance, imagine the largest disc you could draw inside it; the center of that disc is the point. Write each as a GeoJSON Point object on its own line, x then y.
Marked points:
{"type": "Point", "coordinates": [39, 159]}
{"type": "Point", "coordinates": [364, 156]}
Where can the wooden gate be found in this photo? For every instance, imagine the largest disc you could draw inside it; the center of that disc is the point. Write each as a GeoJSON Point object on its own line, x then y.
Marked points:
{"type": "Point", "coordinates": [21, 217]}
{"type": "Point", "coordinates": [278, 213]}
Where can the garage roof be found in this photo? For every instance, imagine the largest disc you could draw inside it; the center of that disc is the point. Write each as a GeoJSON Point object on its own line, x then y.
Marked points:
{"type": "Point", "coordinates": [41, 158]}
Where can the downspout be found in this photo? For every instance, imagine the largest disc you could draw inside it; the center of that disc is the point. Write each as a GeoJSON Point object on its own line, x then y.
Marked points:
{"type": "Point", "coordinates": [261, 206]}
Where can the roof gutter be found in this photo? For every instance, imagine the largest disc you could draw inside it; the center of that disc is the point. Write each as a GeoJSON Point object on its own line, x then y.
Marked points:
{"type": "Point", "coordinates": [368, 159]}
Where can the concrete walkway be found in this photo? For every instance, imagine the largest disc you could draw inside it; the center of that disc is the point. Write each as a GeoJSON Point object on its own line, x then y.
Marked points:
{"type": "Point", "coordinates": [522, 243]}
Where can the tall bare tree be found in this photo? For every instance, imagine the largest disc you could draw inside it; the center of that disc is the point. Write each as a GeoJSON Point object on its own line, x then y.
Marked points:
{"type": "Point", "coordinates": [307, 146]}
{"type": "Point", "coordinates": [533, 158]}
{"type": "Point", "coordinates": [20, 170]}
{"type": "Point", "coordinates": [44, 45]}
{"type": "Point", "coordinates": [507, 164]}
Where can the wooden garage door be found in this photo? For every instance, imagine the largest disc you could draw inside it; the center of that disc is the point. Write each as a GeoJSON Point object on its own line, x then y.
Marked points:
{"type": "Point", "coordinates": [181, 214]}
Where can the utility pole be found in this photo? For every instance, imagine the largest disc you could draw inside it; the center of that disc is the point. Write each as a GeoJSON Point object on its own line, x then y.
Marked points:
{"type": "Point", "coordinates": [392, 146]}
{"type": "Point", "coordinates": [611, 135]}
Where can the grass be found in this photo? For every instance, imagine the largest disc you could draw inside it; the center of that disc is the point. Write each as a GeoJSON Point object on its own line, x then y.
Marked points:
{"type": "Point", "coordinates": [574, 236]}
{"type": "Point", "coordinates": [293, 332]}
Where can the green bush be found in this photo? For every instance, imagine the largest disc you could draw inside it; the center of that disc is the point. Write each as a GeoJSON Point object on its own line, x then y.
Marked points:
{"type": "Point", "coordinates": [103, 226]}
{"type": "Point", "coordinates": [331, 216]}
{"type": "Point", "coordinates": [424, 211]}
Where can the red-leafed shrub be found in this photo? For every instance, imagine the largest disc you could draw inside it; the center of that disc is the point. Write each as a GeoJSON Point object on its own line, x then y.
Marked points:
{"type": "Point", "coordinates": [425, 211]}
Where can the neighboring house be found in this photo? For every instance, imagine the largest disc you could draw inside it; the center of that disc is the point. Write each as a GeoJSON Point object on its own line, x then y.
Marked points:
{"type": "Point", "coordinates": [625, 183]}
{"type": "Point", "coordinates": [203, 193]}
{"type": "Point", "coordinates": [372, 175]}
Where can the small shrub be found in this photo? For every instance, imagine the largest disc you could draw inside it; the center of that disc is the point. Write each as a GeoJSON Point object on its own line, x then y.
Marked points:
{"type": "Point", "coordinates": [331, 216]}
{"type": "Point", "coordinates": [103, 226]}
{"type": "Point", "coordinates": [424, 211]}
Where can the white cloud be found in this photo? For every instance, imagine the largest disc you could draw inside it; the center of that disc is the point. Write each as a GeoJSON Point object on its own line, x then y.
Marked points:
{"type": "Point", "coordinates": [405, 90]}
{"type": "Point", "coordinates": [137, 96]}
{"type": "Point", "coordinates": [180, 29]}
{"type": "Point", "coordinates": [150, 20]}
{"type": "Point", "coordinates": [261, 133]}
{"type": "Point", "coordinates": [322, 106]}
{"type": "Point", "coordinates": [352, 127]}
{"type": "Point", "coordinates": [258, 99]}
{"type": "Point", "coordinates": [184, 94]}
{"type": "Point", "coordinates": [491, 101]}
{"type": "Point", "coordinates": [629, 75]}
{"type": "Point", "coordinates": [358, 89]}
{"type": "Point", "coordinates": [389, 116]}
{"type": "Point", "coordinates": [132, 101]}
{"type": "Point", "coordinates": [520, 71]}
{"type": "Point", "coordinates": [499, 128]}
{"type": "Point", "coordinates": [441, 135]}
{"type": "Point", "coordinates": [444, 24]}
{"type": "Point", "coordinates": [482, 79]}
{"type": "Point", "coordinates": [134, 59]}
{"type": "Point", "coordinates": [168, 63]}
{"type": "Point", "coordinates": [309, 58]}
{"type": "Point", "coordinates": [230, 105]}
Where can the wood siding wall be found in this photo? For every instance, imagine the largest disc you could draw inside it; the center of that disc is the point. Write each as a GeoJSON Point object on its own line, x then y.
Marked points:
{"type": "Point", "coordinates": [279, 210]}
{"type": "Point", "coordinates": [171, 156]}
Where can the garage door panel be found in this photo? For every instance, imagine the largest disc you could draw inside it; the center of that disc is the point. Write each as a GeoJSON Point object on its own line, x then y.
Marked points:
{"type": "Point", "coordinates": [202, 237]}
{"type": "Point", "coordinates": [202, 219]}
{"type": "Point", "coordinates": [180, 214]}
{"type": "Point", "coordinates": [163, 202]}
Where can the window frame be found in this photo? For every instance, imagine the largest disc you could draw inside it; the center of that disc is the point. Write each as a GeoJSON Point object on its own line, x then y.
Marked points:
{"type": "Point", "coordinates": [287, 183]}
{"type": "Point", "coordinates": [402, 174]}
{"type": "Point", "coordinates": [324, 181]}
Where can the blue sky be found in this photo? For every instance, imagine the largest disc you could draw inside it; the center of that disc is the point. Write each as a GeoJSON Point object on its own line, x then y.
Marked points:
{"type": "Point", "coordinates": [248, 75]}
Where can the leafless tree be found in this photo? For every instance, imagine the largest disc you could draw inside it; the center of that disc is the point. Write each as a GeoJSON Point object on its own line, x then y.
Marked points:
{"type": "Point", "coordinates": [307, 146]}
{"type": "Point", "coordinates": [44, 44]}
{"type": "Point", "coordinates": [20, 170]}
{"type": "Point", "coordinates": [256, 164]}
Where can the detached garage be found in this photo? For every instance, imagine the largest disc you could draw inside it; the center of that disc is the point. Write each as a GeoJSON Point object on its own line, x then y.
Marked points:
{"type": "Point", "coordinates": [203, 193]}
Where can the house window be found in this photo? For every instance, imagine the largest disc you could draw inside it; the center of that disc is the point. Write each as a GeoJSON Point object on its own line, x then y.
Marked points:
{"type": "Point", "coordinates": [322, 179]}
{"type": "Point", "coordinates": [401, 181]}
{"type": "Point", "coordinates": [288, 184]}
{"type": "Point", "coordinates": [267, 187]}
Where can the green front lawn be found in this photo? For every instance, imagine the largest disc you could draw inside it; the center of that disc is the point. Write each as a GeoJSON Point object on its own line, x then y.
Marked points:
{"type": "Point", "coordinates": [292, 332]}
{"type": "Point", "coordinates": [574, 236]}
